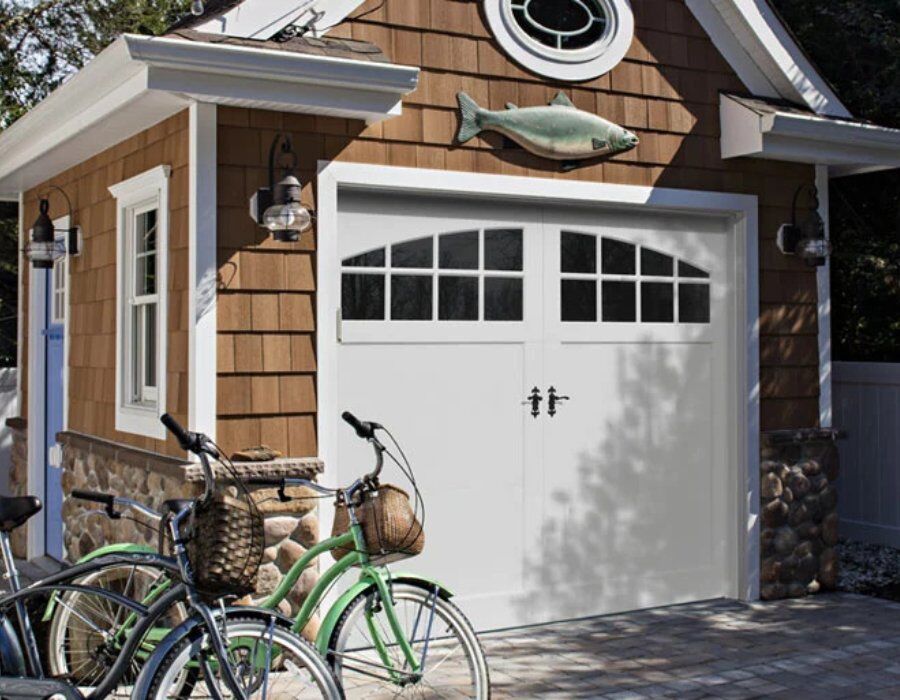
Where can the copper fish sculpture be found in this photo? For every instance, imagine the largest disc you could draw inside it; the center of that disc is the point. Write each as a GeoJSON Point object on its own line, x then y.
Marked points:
{"type": "Point", "coordinates": [559, 131]}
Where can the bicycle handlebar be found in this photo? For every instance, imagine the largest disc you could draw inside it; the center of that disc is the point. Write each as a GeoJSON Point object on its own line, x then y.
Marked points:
{"type": "Point", "coordinates": [109, 501]}
{"type": "Point", "coordinates": [365, 430]}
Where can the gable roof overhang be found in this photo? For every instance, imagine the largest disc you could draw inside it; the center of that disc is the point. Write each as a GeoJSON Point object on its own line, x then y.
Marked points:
{"type": "Point", "coordinates": [748, 33]}
{"type": "Point", "coordinates": [138, 81]}
{"type": "Point", "coordinates": [757, 128]}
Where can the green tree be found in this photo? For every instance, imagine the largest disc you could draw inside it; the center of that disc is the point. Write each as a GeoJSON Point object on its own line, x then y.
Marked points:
{"type": "Point", "coordinates": [41, 44]}
{"type": "Point", "coordinates": [856, 45]}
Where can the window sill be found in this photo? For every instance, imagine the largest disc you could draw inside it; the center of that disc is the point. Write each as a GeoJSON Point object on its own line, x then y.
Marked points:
{"type": "Point", "coordinates": [139, 420]}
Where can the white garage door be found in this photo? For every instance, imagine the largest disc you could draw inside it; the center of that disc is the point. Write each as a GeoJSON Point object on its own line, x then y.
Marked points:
{"type": "Point", "coordinates": [615, 495]}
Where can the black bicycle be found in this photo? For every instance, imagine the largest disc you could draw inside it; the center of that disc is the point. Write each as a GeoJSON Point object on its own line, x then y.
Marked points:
{"type": "Point", "coordinates": [210, 651]}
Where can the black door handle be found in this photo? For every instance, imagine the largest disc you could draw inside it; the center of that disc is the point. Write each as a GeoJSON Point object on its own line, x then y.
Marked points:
{"type": "Point", "coordinates": [552, 399]}
{"type": "Point", "coordinates": [534, 398]}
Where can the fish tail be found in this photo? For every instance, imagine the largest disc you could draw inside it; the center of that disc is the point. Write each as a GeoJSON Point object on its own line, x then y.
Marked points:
{"type": "Point", "coordinates": [470, 118]}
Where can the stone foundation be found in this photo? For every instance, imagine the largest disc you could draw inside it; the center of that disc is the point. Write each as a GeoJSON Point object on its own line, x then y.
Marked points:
{"type": "Point", "coordinates": [799, 513]}
{"type": "Point", "coordinates": [99, 465]}
{"type": "Point", "coordinates": [18, 477]}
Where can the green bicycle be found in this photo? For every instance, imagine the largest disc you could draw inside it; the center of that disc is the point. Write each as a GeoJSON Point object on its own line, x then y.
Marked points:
{"type": "Point", "coordinates": [388, 635]}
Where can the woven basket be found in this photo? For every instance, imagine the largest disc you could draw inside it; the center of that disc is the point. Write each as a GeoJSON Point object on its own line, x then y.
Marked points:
{"type": "Point", "coordinates": [389, 525]}
{"type": "Point", "coordinates": [226, 546]}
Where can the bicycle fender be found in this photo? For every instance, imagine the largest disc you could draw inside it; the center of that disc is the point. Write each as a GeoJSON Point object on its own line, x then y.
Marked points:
{"type": "Point", "coordinates": [12, 658]}
{"type": "Point", "coordinates": [365, 583]}
{"type": "Point", "coordinates": [191, 629]}
{"type": "Point", "coordinates": [118, 548]}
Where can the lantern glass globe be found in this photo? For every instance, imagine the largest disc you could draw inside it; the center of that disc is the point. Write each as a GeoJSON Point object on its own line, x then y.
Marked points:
{"type": "Point", "coordinates": [290, 216]}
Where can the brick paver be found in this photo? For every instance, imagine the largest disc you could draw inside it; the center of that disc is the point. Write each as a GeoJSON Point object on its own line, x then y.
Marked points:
{"type": "Point", "coordinates": [823, 647]}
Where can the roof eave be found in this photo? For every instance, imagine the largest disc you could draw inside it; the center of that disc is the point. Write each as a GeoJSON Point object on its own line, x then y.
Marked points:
{"type": "Point", "coordinates": [138, 81]}
{"type": "Point", "coordinates": [846, 147]}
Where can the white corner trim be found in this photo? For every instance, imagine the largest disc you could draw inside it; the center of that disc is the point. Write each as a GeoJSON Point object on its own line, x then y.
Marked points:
{"type": "Point", "coordinates": [585, 64]}
{"type": "Point", "coordinates": [35, 480]}
{"type": "Point", "coordinates": [202, 269]}
{"type": "Point", "coordinates": [263, 19]}
{"type": "Point", "coordinates": [752, 38]}
{"type": "Point", "coordinates": [150, 185]}
{"type": "Point", "coordinates": [823, 285]}
{"type": "Point", "coordinates": [20, 306]}
{"type": "Point", "coordinates": [139, 81]}
{"type": "Point", "coordinates": [743, 209]}
{"type": "Point", "coordinates": [847, 146]}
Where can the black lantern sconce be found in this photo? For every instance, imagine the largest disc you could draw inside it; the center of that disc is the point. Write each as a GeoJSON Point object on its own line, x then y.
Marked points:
{"type": "Point", "coordinates": [277, 207]}
{"type": "Point", "coordinates": [44, 248]}
{"type": "Point", "coordinates": [805, 239]}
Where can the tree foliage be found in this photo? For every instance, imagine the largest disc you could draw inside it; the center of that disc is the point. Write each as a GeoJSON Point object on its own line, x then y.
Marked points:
{"type": "Point", "coordinates": [41, 44]}
{"type": "Point", "coordinates": [856, 45]}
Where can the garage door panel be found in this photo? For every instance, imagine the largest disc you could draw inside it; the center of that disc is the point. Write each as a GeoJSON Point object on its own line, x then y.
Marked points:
{"type": "Point", "coordinates": [456, 410]}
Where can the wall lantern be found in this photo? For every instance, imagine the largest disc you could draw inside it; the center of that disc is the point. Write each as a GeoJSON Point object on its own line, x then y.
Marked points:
{"type": "Point", "coordinates": [44, 248]}
{"type": "Point", "coordinates": [806, 239]}
{"type": "Point", "coordinates": [277, 207]}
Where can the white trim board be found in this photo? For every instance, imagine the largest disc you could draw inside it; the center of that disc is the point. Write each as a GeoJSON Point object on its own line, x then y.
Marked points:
{"type": "Point", "coordinates": [742, 208]}
{"type": "Point", "coordinates": [202, 270]}
{"type": "Point", "coordinates": [138, 81]}
{"type": "Point", "coordinates": [823, 284]}
{"type": "Point", "coordinates": [36, 478]}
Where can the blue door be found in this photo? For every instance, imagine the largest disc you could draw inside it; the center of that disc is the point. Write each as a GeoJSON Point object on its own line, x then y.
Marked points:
{"type": "Point", "coordinates": [54, 334]}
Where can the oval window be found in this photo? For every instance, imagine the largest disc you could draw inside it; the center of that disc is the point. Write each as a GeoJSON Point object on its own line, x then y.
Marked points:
{"type": "Point", "coordinates": [570, 40]}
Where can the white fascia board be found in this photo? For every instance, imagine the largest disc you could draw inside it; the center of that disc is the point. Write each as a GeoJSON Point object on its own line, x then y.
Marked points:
{"type": "Point", "coordinates": [138, 81]}
{"type": "Point", "coordinates": [263, 19]}
{"type": "Point", "coordinates": [763, 54]}
{"type": "Point", "coordinates": [848, 147]}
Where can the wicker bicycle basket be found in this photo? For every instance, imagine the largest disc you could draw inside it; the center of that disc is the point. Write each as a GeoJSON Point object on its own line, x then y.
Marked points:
{"type": "Point", "coordinates": [226, 545]}
{"type": "Point", "coordinates": [391, 529]}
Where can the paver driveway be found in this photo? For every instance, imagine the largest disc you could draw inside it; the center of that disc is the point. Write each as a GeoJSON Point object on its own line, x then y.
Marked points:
{"type": "Point", "coordinates": [829, 646]}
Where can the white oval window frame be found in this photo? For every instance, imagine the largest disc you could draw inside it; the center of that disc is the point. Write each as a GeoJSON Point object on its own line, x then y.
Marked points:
{"type": "Point", "coordinates": [572, 66]}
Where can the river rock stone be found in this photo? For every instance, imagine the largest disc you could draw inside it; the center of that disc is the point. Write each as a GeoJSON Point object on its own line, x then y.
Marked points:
{"type": "Point", "coordinates": [828, 569]}
{"type": "Point", "coordinates": [799, 514]}
{"type": "Point", "coordinates": [770, 486]}
{"type": "Point", "coordinates": [830, 529]}
{"type": "Point", "coordinates": [289, 553]}
{"type": "Point", "coordinates": [775, 513]}
{"type": "Point", "coordinates": [770, 570]}
{"type": "Point", "coordinates": [798, 483]}
{"type": "Point", "coordinates": [828, 498]}
{"type": "Point", "coordinates": [785, 540]}
{"type": "Point", "coordinates": [810, 467]}
{"type": "Point", "coordinates": [772, 591]}
{"type": "Point", "coordinates": [279, 528]}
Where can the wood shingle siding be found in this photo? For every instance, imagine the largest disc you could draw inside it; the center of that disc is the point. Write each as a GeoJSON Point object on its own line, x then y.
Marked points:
{"type": "Point", "coordinates": [666, 90]}
{"type": "Point", "coordinates": [92, 283]}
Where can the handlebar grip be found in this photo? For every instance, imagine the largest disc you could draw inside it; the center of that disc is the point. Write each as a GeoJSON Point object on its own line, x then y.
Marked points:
{"type": "Point", "coordinates": [186, 439]}
{"type": "Point", "coordinates": [106, 499]}
{"type": "Point", "coordinates": [264, 481]}
{"type": "Point", "coordinates": [364, 429]}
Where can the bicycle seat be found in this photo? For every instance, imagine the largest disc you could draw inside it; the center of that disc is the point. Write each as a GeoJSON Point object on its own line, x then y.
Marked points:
{"type": "Point", "coordinates": [15, 510]}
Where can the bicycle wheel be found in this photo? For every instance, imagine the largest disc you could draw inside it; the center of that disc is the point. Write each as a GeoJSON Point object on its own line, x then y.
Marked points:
{"type": "Point", "coordinates": [87, 631]}
{"type": "Point", "coordinates": [269, 661]}
{"type": "Point", "coordinates": [452, 662]}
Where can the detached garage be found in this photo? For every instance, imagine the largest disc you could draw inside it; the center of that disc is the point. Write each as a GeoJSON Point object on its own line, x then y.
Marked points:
{"type": "Point", "coordinates": [573, 253]}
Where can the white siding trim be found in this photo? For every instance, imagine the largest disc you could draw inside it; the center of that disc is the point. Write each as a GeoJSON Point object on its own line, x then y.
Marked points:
{"type": "Point", "coordinates": [202, 364]}
{"type": "Point", "coordinates": [153, 183]}
{"type": "Point", "coordinates": [823, 284]}
{"type": "Point", "coordinates": [743, 209]}
{"type": "Point", "coordinates": [20, 321]}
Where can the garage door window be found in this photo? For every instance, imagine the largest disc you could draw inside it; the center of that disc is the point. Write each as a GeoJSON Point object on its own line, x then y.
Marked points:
{"type": "Point", "coordinates": [473, 275]}
{"type": "Point", "coordinates": [635, 284]}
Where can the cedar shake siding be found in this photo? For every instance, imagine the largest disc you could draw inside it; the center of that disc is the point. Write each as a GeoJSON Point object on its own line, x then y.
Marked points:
{"type": "Point", "coordinates": [666, 90]}
{"type": "Point", "coordinates": [92, 283]}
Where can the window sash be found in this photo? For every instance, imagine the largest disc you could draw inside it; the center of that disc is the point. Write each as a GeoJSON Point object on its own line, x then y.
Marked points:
{"type": "Point", "coordinates": [142, 334]}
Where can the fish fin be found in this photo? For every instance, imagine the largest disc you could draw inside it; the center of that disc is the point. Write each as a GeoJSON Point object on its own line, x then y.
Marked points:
{"type": "Point", "coordinates": [561, 100]}
{"type": "Point", "coordinates": [599, 143]}
{"type": "Point", "coordinates": [469, 118]}
{"type": "Point", "coordinates": [510, 105]}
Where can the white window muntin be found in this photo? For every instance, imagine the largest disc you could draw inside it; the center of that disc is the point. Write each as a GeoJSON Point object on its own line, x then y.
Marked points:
{"type": "Point", "coordinates": [141, 313]}
{"type": "Point", "coordinates": [572, 65]}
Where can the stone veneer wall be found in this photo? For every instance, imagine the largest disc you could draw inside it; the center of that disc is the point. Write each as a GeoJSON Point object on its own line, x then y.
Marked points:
{"type": "Point", "coordinates": [95, 464]}
{"type": "Point", "coordinates": [18, 477]}
{"type": "Point", "coordinates": [799, 513]}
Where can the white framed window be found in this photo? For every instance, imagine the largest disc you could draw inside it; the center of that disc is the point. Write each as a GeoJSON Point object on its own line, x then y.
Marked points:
{"type": "Point", "coordinates": [572, 40]}
{"type": "Point", "coordinates": [59, 290]}
{"type": "Point", "coordinates": [142, 204]}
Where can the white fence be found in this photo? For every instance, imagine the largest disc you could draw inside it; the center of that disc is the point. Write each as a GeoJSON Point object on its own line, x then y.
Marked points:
{"type": "Point", "coordinates": [867, 407]}
{"type": "Point", "coordinates": [8, 409]}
